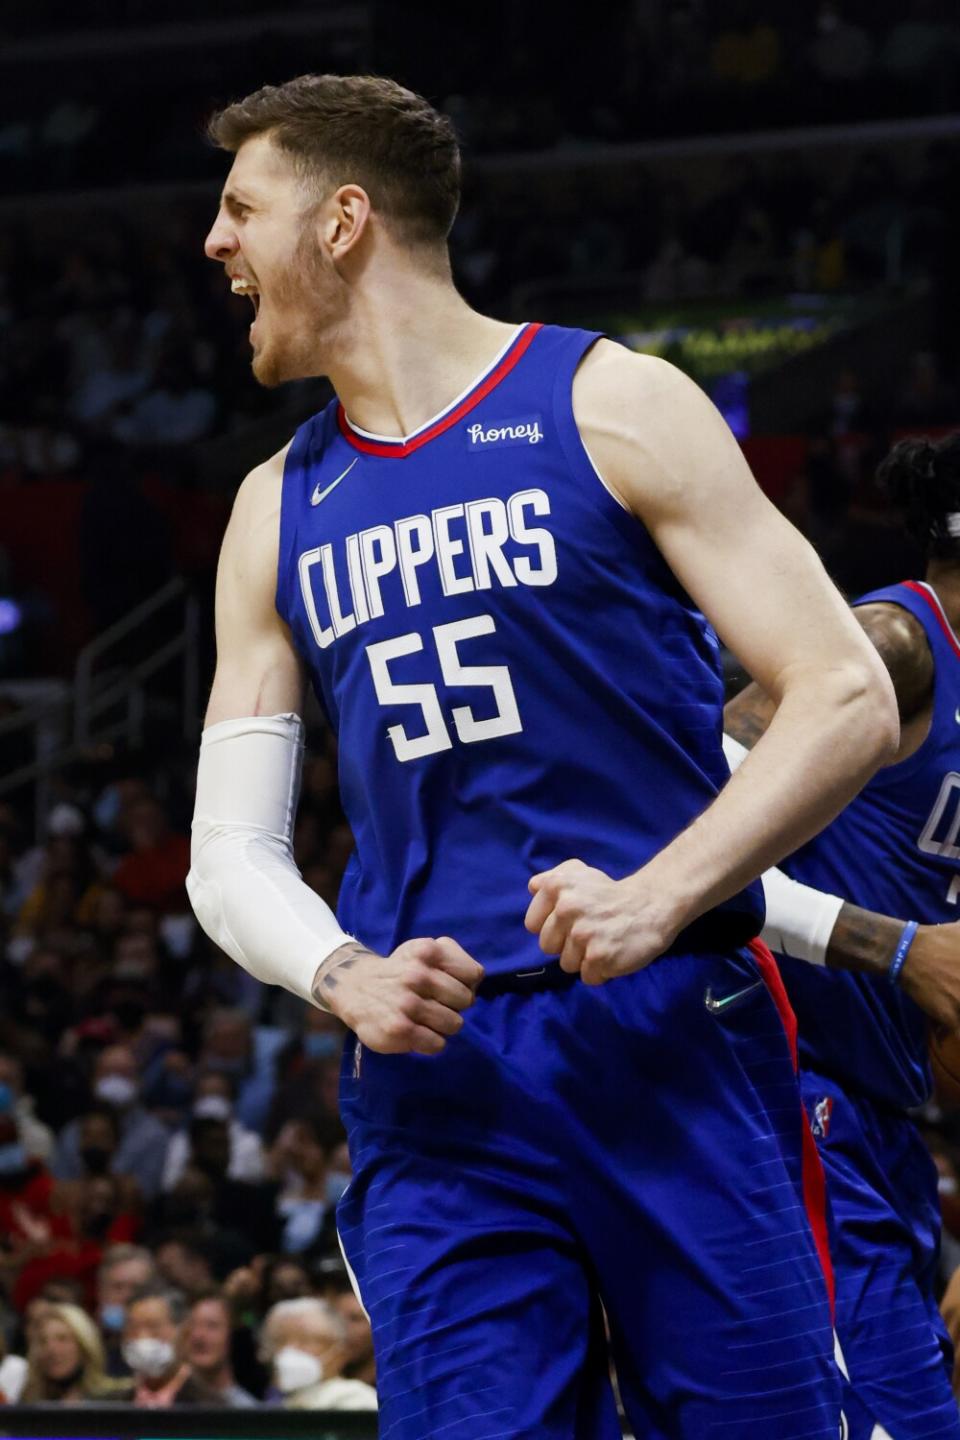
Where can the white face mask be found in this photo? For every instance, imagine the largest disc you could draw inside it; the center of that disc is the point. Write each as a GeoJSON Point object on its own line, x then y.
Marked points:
{"type": "Point", "coordinates": [295, 1369]}
{"type": "Point", "coordinates": [148, 1356]}
{"type": "Point", "coordinates": [116, 1090]}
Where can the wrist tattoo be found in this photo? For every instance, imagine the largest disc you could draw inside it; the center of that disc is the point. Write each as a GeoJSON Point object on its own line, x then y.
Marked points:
{"type": "Point", "coordinates": [863, 941]}
{"type": "Point", "coordinates": [342, 958]}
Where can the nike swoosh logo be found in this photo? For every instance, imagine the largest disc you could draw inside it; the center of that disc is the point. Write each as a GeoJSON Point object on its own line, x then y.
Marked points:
{"type": "Point", "coordinates": [956, 715]}
{"type": "Point", "coordinates": [319, 494]}
{"type": "Point", "coordinates": [716, 1004]}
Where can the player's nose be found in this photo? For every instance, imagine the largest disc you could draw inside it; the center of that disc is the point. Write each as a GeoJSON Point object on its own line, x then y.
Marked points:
{"type": "Point", "coordinates": [221, 242]}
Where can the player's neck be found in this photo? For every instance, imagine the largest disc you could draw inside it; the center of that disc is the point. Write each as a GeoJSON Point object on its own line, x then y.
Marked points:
{"type": "Point", "coordinates": [944, 577]}
{"type": "Point", "coordinates": [411, 346]}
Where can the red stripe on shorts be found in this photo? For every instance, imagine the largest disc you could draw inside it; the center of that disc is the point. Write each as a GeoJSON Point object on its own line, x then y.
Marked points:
{"type": "Point", "coordinates": [814, 1181]}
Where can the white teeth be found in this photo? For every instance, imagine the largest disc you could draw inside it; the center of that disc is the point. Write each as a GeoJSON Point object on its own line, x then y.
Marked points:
{"type": "Point", "coordinates": [243, 287]}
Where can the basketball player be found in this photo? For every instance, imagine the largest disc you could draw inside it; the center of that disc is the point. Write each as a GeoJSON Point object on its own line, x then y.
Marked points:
{"type": "Point", "coordinates": [863, 1039]}
{"type": "Point", "coordinates": [481, 555]}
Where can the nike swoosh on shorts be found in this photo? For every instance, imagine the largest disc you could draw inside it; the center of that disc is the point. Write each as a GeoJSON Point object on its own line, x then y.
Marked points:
{"type": "Point", "coordinates": [716, 1004]}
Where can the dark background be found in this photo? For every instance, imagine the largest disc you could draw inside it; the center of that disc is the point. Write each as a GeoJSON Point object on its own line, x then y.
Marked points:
{"type": "Point", "coordinates": [767, 193]}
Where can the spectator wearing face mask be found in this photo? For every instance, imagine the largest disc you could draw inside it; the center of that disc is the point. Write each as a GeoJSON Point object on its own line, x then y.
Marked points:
{"type": "Point", "coordinates": [320, 1039]}
{"type": "Point", "coordinates": [123, 1271]}
{"type": "Point", "coordinates": [208, 1337]}
{"type": "Point", "coordinates": [153, 1348]}
{"type": "Point", "coordinates": [251, 1290]}
{"type": "Point", "coordinates": [67, 1362]}
{"type": "Point", "coordinates": [306, 1343]}
{"type": "Point", "coordinates": [98, 1138]}
{"type": "Point", "coordinates": [246, 1053]}
{"type": "Point", "coordinates": [213, 1102]}
{"type": "Point", "coordinates": [143, 1140]}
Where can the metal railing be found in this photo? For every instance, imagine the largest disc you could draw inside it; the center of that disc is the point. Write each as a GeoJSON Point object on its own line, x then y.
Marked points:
{"type": "Point", "coordinates": [109, 698]}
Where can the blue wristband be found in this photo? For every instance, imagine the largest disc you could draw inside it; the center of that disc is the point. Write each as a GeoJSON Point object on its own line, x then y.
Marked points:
{"type": "Point", "coordinates": [902, 950]}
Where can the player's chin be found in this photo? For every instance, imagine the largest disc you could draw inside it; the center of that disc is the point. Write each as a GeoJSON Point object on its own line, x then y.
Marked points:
{"type": "Point", "coordinates": [274, 365]}
{"type": "Point", "coordinates": [268, 368]}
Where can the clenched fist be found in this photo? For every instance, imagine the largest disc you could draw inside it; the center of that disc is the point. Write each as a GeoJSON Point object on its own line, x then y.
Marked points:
{"type": "Point", "coordinates": [409, 1001]}
{"type": "Point", "coordinates": [599, 926]}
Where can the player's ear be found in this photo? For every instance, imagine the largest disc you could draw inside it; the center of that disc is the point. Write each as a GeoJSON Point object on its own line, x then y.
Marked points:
{"type": "Point", "coordinates": [345, 220]}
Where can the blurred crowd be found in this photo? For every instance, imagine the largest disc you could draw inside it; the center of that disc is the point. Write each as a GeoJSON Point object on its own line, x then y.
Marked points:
{"type": "Point", "coordinates": [655, 67]}
{"type": "Point", "coordinates": [170, 1147]}
{"type": "Point", "coordinates": [129, 341]}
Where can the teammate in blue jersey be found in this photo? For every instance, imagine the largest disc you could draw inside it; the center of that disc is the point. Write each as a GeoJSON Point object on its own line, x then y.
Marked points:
{"type": "Point", "coordinates": [489, 557]}
{"type": "Point", "coordinates": [863, 1040]}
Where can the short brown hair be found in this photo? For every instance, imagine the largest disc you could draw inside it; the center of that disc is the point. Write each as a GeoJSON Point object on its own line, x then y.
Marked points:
{"type": "Point", "coordinates": [360, 128]}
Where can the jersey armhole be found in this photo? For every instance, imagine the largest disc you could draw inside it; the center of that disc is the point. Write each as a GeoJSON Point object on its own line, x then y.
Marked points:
{"type": "Point", "coordinates": [578, 456]}
{"type": "Point", "coordinates": [596, 470]}
{"type": "Point", "coordinates": [293, 465]}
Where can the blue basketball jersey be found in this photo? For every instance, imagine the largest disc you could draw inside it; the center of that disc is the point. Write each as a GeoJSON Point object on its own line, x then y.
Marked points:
{"type": "Point", "coordinates": [894, 849]}
{"type": "Point", "coordinates": [514, 674]}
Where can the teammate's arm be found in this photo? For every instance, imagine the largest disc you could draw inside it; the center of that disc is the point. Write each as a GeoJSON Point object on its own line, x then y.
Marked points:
{"type": "Point", "coordinates": [244, 884]}
{"type": "Point", "coordinates": [898, 639]}
{"type": "Point", "coordinates": [858, 939]}
{"type": "Point", "coordinates": [663, 449]}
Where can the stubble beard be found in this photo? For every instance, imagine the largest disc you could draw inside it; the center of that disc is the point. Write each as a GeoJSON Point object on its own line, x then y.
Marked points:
{"type": "Point", "coordinates": [309, 290]}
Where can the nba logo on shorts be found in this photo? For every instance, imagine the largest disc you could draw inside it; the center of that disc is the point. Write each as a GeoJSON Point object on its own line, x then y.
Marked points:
{"type": "Point", "coordinates": [820, 1120]}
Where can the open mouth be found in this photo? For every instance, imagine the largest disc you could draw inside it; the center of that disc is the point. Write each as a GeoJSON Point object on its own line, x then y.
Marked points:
{"type": "Point", "coordinates": [239, 286]}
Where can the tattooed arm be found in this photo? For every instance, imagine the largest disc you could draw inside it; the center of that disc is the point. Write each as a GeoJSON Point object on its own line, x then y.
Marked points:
{"type": "Point", "coordinates": [902, 645]}
{"type": "Point", "coordinates": [865, 941]}
{"type": "Point", "coordinates": [862, 940]}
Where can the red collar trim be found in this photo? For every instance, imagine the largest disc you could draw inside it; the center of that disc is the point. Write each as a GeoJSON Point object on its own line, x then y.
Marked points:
{"type": "Point", "coordinates": [400, 448]}
{"type": "Point", "coordinates": [935, 606]}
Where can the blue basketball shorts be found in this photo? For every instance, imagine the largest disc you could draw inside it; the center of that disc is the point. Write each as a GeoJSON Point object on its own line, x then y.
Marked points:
{"type": "Point", "coordinates": [592, 1174]}
{"type": "Point", "coordinates": [884, 1220]}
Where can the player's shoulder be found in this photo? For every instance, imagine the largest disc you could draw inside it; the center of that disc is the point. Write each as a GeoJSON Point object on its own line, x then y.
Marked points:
{"type": "Point", "coordinates": [253, 532]}
{"type": "Point", "coordinates": [261, 487]}
{"type": "Point", "coordinates": [634, 394]}
{"type": "Point", "coordinates": [895, 631]}
{"type": "Point", "coordinates": [628, 405]}
{"type": "Point", "coordinates": [610, 371]}
{"type": "Point", "coordinates": [901, 641]}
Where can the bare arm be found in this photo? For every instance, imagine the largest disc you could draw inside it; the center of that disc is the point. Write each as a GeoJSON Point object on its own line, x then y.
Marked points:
{"type": "Point", "coordinates": [258, 670]}
{"type": "Point", "coordinates": [665, 451]}
{"type": "Point", "coordinates": [864, 940]}
{"type": "Point", "coordinates": [900, 642]}
{"type": "Point", "coordinates": [244, 884]}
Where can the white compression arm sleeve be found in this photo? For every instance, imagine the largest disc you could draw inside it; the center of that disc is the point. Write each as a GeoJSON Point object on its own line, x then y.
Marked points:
{"type": "Point", "coordinates": [244, 885]}
{"type": "Point", "coordinates": [800, 920]}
